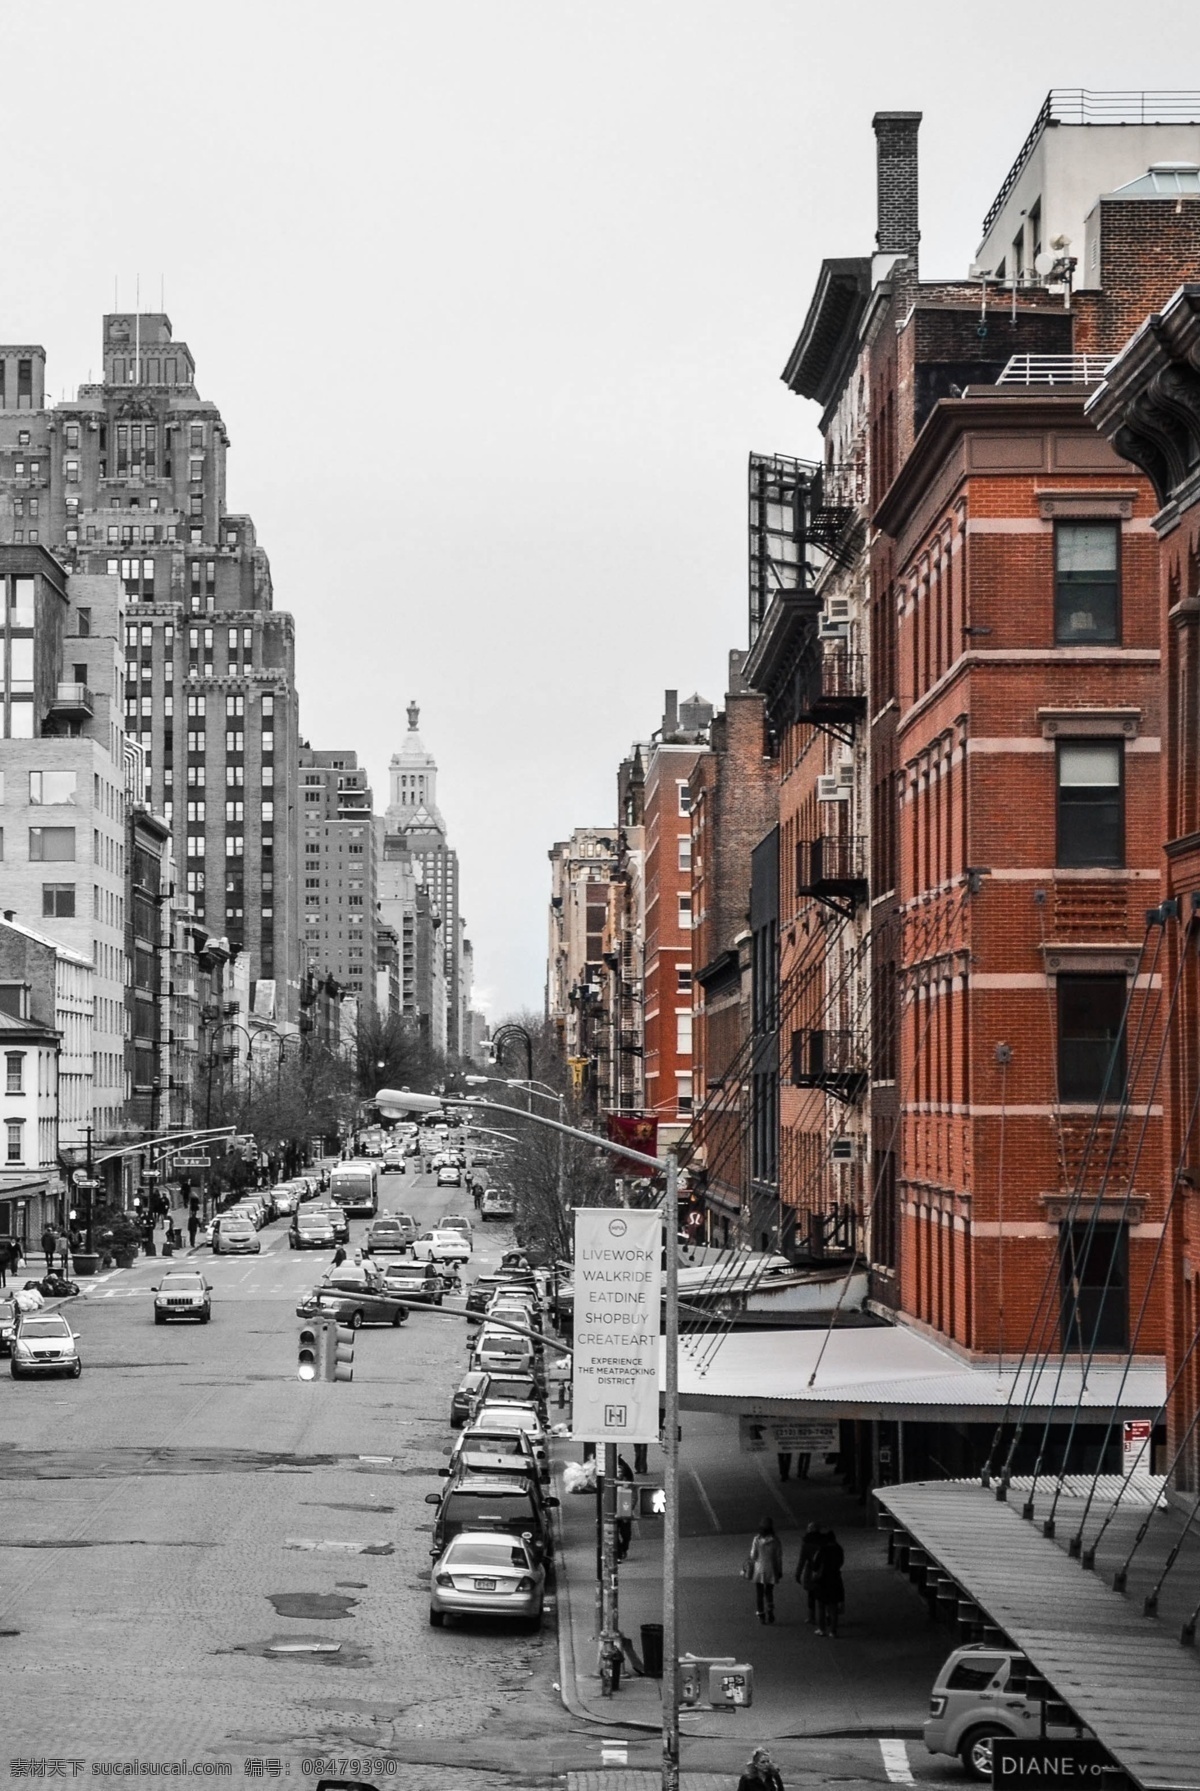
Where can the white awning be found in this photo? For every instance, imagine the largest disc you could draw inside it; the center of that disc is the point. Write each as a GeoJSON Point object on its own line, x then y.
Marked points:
{"type": "Point", "coordinates": [889, 1371]}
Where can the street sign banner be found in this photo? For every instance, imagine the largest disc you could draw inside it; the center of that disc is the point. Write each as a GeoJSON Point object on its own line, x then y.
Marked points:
{"type": "Point", "coordinates": [193, 1162]}
{"type": "Point", "coordinates": [807, 1435]}
{"type": "Point", "coordinates": [79, 1177]}
{"type": "Point", "coordinates": [1040, 1765]}
{"type": "Point", "coordinates": [618, 1294]}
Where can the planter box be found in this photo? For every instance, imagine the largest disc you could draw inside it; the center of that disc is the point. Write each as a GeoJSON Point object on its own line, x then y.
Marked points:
{"type": "Point", "coordinates": [125, 1258]}
{"type": "Point", "coordinates": [85, 1262]}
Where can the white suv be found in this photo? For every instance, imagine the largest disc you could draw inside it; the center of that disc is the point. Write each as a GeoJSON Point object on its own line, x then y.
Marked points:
{"type": "Point", "coordinates": [979, 1694]}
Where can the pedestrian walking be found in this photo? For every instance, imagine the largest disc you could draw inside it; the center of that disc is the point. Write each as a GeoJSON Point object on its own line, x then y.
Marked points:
{"type": "Point", "coordinates": [810, 1548]}
{"type": "Point", "coordinates": [63, 1246]}
{"type": "Point", "coordinates": [765, 1567]}
{"type": "Point", "coordinates": [48, 1242]}
{"type": "Point", "coordinates": [193, 1225]}
{"type": "Point", "coordinates": [339, 1257]}
{"type": "Point", "coordinates": [4, 1260]}
{"type": "Point", "coordinates": [827, 1584]}
{"type": "Point", "coordinates": [760, 1770]}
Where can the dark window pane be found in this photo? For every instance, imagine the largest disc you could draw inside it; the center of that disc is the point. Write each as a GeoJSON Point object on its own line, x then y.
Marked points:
{"type": "Point", "coordinates": [1095, 1286]}
{"type": "Point", "coordinates": [1091, 1038]}
{"type": "Point", "coordinates": [1086, 582]}
{"type": "Point", "coordinates": [1091, 826]}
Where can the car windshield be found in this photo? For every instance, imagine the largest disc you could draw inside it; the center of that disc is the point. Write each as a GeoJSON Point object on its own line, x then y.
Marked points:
{"type": "Point", "coordinates": [470, 1552]}
{"type": "Point", "coordinates": [471, 1504]}
{"type": "Point", "coordinates": [513, 1387]}
{"type": "Point", "coordinates": [236, 1228]}
{"type": "Point", "coordinates": [182, 1283]}
{"type": "Point", "coordinates": [45, 1327]}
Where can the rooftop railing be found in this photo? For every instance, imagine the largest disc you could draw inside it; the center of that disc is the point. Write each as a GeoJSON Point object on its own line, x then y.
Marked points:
{"type": "Point", "coordinates": [1054, 370]}
{"type": "Point", "coordinates": [1079, 105]}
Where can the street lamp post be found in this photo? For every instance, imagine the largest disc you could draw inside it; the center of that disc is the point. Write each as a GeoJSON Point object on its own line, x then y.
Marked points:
{"type": "Point", "coordinates": [396, 1101]}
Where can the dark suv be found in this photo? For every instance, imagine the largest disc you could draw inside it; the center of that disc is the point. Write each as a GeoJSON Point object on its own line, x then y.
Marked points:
{"type": "Point", "coordinates": [509, 1502]}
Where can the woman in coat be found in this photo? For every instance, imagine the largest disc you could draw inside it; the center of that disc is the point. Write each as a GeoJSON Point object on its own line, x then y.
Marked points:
{"type": "Point", "coordinates": [827, 1584]}
{"type": "Point", "coordinates": [761, 1772]}
{"type": "Point", "coordinates": [765, 1568]}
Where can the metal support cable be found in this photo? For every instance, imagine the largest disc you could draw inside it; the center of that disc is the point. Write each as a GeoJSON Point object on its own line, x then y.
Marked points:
{"type": "Point", "coordinates": [1157, 1419]}
{"type": "Point", "coordinates": [1135, 1165]}
{"type": "Point", "coordinates": [1043, 1312]}
{"type": "Point", "coordinates": [1156, 918]}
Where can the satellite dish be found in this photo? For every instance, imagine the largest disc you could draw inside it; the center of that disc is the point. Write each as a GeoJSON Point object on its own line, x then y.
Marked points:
{"type": "Point", "coordinates": [1045, 261]}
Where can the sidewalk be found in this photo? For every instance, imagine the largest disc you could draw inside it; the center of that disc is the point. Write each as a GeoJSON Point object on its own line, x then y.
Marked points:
{"type": "Point", "coordinates": [873, 1679]}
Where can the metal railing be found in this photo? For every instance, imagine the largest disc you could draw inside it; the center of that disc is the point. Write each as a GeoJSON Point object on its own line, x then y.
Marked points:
{"type": "Point", "coordinates": [1055, 370]}
{"type": "Point", "coordinates": [1079, 105]}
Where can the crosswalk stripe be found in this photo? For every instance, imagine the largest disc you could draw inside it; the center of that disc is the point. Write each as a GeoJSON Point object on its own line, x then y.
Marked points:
{"type": "Point", "coordinates": [895, 1762]}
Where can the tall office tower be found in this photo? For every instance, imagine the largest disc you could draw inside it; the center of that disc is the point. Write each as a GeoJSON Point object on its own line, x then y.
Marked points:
{"type": "Point", "coordinates": [339, 872]}
{"type": "Point", "coordinates": [62, 798]}
{"type": "Point", "coordinates": [128, 479]}
{"type": "Point", "coordinates": [414, 813]}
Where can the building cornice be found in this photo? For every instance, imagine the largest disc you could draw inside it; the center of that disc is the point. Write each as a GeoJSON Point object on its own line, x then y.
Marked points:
{"type": "Point", "coordinates": [1148, 405]}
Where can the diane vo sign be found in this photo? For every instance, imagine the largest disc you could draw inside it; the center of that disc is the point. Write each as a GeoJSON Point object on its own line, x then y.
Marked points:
{"type": "Point", "coordinates": [1054, 1762]}
{"type": "Point", "coordinates": [618, 1292]}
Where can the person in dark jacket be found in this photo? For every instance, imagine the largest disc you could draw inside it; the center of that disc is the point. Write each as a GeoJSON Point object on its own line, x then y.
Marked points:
{"type": "Point", "coordinates": [810, 1547]}
{"type": "Point", "coordinates": [48, 1242]}
{"type": "Point", "coordinates": [760, 1771]}
{"type": "Point", "coordinates": [827, 1584]}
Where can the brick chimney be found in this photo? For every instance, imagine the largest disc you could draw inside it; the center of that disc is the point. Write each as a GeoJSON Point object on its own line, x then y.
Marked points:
{"type": "Point", "coordinates": [896, 177]}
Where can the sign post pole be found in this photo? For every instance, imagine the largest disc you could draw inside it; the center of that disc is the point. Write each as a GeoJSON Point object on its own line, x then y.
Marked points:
{"type": "Point", "coordinates": [670, 1684]}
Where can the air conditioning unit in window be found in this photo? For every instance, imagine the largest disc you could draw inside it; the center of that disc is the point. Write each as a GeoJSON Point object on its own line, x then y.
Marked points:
{"type": "Point", "coordinates": [834, 624]}
{"type": "Point", "coordinates": [841, 1150]}
{"type": "Point", "coordinates": [830, 788]}
{"type": "Point", "coordinates": [845, 772]}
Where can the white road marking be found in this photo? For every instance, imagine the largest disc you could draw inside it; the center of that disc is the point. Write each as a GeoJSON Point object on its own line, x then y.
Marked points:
{"type": "Point", "coordinates": [614, 1753]}
{"type": "Point", "coordinates": [895, 1762]}
{"type": "Point", "coordinates": [704, 1500]}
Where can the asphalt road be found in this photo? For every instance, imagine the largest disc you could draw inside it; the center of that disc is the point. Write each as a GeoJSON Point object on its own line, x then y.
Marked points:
{"type": "Point", "coordinates": [188, 1505]}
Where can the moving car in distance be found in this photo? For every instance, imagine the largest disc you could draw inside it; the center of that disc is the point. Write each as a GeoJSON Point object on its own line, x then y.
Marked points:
{"type": "Point", "coordinates": [311, 1229]}
{"type": "Point", "coordinates": [495, 1206]}
{"type": "Point", "coordinates": [182, 1293]}
{"type": "Point", "coordinates": [44, 1343]}
{"type": "Point", "coordinates": [354, 1187]}
{"type": "Point", "coordinates": [235, 1236]}
{"type": "Point", "coordinates": [979, 1694]}
{"type": "Point", "coordinates": [418, 1283]}
{"type": "Point", "coordinates": [441, 1246]}
{"type": "Point", "coordinates": [354, 1298]}
{"type": "Point", "coordinates": [482, 1574]}
{"type": "Point", "coordinates": [337, 1218]}
{"type": "Point", "coordinates": [456, 1222]}
{"type": "Point", "coordinates": [388, 1235]}
{"type": "Point", "coordinates": [449, 1176]}
{"type": "Point", "coordinates": [393, 1158]}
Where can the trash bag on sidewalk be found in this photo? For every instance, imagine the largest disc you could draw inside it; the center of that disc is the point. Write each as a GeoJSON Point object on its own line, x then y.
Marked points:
{"type": "Point", "coordinates": [579, 1477]}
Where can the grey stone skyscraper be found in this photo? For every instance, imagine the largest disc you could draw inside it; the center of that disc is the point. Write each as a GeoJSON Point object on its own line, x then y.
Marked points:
{"type": "Point", "coordinates": [128, 479]}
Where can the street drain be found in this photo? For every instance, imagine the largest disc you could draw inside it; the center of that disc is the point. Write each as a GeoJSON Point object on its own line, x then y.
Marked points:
{"type": "Point", "coordinates": [312, 1604]}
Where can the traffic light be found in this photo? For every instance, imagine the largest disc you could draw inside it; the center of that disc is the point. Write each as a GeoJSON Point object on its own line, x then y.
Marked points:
{"type": "Point", "coordinates": [339, 1352]}
{"type": "Point", "coordinates": [309, 1365]}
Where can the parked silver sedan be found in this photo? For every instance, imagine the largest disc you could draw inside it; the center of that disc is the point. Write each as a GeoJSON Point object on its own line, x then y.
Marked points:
{"type": "Point", "coordinates": [481, 1573]}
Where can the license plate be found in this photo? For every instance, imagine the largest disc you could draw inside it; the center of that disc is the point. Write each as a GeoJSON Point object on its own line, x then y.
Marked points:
{"type": "Point", "coordinates": [485, 1585]}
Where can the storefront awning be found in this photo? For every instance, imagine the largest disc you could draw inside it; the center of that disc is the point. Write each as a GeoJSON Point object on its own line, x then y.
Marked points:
{"type": "Point", "coordinates": [890, 1372]}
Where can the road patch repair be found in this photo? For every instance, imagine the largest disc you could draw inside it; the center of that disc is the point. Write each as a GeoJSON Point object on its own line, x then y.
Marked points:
{"type": "Point", "coordinates": [313, 1651]}
{"type": "Point", "coordinates": [330, 1546]}
{"type": "Point", "coordinates": [312, 1604]}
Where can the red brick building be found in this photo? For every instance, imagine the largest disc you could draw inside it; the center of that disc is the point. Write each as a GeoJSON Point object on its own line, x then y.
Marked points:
{"type": "Point", "coordinates": [667, 975]}
{"type": "Point", "coordinates": [1027, 737]}
{"type": "Point", "coordinates": [1149, 406]}
{"type": "Point", "coordinates": [734, 795]}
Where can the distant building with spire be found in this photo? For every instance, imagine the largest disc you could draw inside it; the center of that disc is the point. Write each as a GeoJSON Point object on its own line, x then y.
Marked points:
{"type": "Point", "coordinates": [418, 889]}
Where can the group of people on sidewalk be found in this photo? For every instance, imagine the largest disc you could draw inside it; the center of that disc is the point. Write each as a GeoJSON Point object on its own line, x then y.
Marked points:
{"type": "Point", "coordinates": [818, 1571]}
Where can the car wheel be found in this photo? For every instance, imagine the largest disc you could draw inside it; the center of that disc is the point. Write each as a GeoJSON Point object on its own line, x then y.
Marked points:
{"type": "Point", "coordinates": [160, 1318]}
{"type": "Point", "coordinates": [976, 1751]}
{"type": "Point", "coordinates": [14, 1371]}
{"type": "Point", "coordinates": [76, 1369]}
{"type": "Point", "coordinates": [356, 1321]}
{"type": "Point", "coordinates": [399, 1320]}
{"type": "Point", "coordinates": [437, 1618]}
{"type": "Point", "coordinates": [204, 1317]}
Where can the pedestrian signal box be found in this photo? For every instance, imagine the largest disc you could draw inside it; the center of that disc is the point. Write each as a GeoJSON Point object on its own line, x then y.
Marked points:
{"type": "Point", "coordinates": [652, 1501]}
{"type": "Point", "coordinates": [309, 1364]}
{"type": "Point", "coordinates": [339, 1352]}
{"type": "Point", "coordinates": [625, 1498]}
{"type": "Point", "coordinates": [730, 1687]}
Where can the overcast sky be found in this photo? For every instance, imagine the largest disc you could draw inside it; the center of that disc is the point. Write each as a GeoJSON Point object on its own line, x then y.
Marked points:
{"type": "Point", "coordinates": [494, 300]}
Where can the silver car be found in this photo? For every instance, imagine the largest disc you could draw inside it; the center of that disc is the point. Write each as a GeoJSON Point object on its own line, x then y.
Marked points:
{"type": "Point", "coordinates": [980, 1694]}
{"type": "Point", "coordinates": [483, 1573]}
{"type": "Point", "coordinates": [44, 1344]}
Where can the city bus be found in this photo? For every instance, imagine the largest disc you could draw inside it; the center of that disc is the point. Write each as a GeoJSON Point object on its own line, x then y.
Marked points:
{"type": "Point", "coordinates": [355, 1188]}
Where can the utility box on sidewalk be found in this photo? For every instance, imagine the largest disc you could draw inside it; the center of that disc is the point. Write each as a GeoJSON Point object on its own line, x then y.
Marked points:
{"type": "Point", "coordinates": [730, 1687]}
{"type": "Point", "coordinates": [694, 1671]}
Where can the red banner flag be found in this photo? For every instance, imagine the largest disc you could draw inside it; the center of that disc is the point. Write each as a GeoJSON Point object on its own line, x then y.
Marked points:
{"type": "Point", "coordinates": [637, 1130]}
